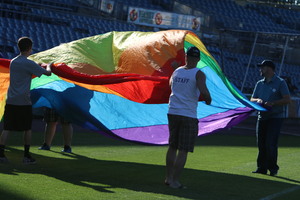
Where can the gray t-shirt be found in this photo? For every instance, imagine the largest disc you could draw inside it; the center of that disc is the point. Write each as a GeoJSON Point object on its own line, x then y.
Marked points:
{"type": "Point", "coordinates": [21, 71]}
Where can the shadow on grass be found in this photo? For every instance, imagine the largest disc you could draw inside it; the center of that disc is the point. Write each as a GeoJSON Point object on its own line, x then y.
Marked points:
{"type": "Point", "coordinates": [288, 179]}
{"type": "Point", "coordinates": [106, 176]}
{"type": "Point", "coordinates": [9, 195]}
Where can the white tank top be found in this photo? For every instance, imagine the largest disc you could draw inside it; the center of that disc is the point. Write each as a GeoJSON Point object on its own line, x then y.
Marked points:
{"type": "Point", "coordinates": [185, 94]}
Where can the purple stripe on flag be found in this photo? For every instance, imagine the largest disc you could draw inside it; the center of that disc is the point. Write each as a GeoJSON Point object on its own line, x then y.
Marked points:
{"type": "Point", "coordinates": [159, 134]}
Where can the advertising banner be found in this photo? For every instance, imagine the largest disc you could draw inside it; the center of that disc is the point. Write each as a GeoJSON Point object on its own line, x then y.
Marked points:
{"type": "Point", "coordinates": [107, 6]}
{"type": "Point", "coordinates": [163, 19]}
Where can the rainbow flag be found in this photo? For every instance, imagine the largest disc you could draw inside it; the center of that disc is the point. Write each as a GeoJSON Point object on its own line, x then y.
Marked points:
{"type": "Point", "coordinates": [118, 84]}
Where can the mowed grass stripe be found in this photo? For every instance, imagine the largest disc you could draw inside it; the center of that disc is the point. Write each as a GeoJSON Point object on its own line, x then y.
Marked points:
{"type": "Point", "coordinates": [103, 168]}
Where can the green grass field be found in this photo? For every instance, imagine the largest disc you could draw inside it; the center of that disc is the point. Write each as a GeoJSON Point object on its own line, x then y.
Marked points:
{"type": "Point", "coordinates": [103, 168]}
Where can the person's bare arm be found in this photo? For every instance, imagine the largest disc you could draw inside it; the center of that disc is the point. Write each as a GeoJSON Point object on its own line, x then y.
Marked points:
{"type": "Point", "coordinates": [257, 100]}
{"type": "Point", "coordinates": [201, 84]}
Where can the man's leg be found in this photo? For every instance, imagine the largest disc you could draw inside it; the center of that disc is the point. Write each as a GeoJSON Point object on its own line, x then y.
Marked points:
{"type": "Point", "coordinates": [27, 141]}
{"type": "Point", "coordinates": [174, 124]}
{"type": "Point", "coordinates": [178, 167]}
{"type": "Point", "coordinates": [67, 130]}
{"type": "Point", "coordinates": [170, 162]}
{"type": "Point", "coordinates": [50, 132]}
{"type": "Point", "coordinates": [27, 137]}
{"type": "Point", "coordinates": [274, 128]}
{"type": "Point", "coordinates": [7, 117]}
{"type": "Point", "coordinates": [261, 133]}
{"type": "Point", "coordinates": [3, 139]}
{"type": "Point", "coordinates": [51, 119]}
{"type": "Point", "coordinates": [67, 133]}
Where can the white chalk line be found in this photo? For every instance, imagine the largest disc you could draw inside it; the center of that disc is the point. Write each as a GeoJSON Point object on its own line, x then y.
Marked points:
{"type": "Point", "coordinates": [272, 196]}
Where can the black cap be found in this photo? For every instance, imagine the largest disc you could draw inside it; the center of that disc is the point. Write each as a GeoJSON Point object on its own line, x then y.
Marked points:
{"type": "Point", "coordinates": [267, 63]}
{"type": "Point", "coordinates": [193, 52]}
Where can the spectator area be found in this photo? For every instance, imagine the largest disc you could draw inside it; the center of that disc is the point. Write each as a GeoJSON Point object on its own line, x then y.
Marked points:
{"type": "Point", "coordinates": [53, 22]}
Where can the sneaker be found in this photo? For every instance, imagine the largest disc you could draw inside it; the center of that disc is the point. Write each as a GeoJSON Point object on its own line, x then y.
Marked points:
{"type": "Point", "coordinates": [3, 159]}
{"type": "Point", "coordinates": [28, 160]}
{"type": "Point", "coordinates": [67, 150]}
{"type": "Point", "coordinates": [177, 185]}
{"type": "Point", "coordinates": [44, 147]}
{"type": "Point", "coordinates": [260, 171]}
{"type": "Point", "coordinates": [273, 173]}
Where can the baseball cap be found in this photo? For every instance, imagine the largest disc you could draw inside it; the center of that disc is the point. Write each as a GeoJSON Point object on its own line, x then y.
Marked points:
{"type": "Point", "coordinates": [193, 52]}
{"type": "Point", "coordinates": [268, 63]}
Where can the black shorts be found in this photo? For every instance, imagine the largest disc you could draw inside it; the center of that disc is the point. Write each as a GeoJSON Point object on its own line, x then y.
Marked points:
{"type": "Point", "coordinates": [183, 132]}
{"type": "Point", "coordinates": [51, 115]}
{"type": "Point", "coordinates": [17, 117]}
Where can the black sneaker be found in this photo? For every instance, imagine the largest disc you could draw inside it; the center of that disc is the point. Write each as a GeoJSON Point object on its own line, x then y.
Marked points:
{"type": "Point", "coordinates": [273, 173]}
{"type": "Point", "coordinates": [67, 150]}
{"type": "Point", "coordinates": [44, 147]}
{"type": "Point", "coordinates": [260, 171]}
{"type": "Point", "coordinates": [28, 160]}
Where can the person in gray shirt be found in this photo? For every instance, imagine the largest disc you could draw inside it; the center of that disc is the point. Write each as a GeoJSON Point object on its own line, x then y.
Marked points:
{"type": "Point", "coordinates": [18, 109]}
{"type": "Point", "coordinates": [271, 92]}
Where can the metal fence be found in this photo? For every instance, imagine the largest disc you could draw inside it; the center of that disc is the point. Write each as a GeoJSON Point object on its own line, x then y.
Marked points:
{"type": "Point", "coordinates": [238, 52]}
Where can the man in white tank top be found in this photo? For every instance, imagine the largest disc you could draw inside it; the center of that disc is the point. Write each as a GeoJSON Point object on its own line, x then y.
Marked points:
{"type": "Point", "coordinates": [187, 82]}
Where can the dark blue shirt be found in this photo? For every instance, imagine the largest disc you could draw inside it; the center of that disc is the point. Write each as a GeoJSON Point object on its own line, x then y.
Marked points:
{"type": "Point", "coordinates": [271, 91]}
